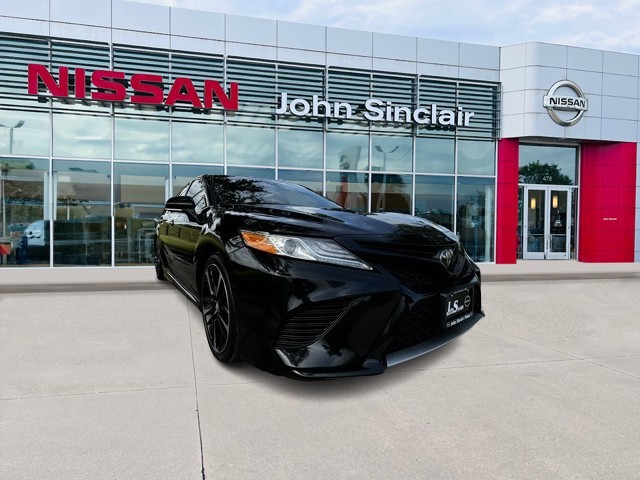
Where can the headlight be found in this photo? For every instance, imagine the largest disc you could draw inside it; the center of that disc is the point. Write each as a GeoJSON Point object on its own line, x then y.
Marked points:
{"type": "Point", "coordinates": [303, 248]}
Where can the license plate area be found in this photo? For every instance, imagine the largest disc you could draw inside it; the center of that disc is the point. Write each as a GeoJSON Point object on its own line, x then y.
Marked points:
{"type": "Point", "coordinates": [456, 306]}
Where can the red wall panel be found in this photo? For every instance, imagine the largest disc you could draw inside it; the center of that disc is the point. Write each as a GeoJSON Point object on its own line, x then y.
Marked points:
{"type": "Point", "coordinates": [507, 201]}
{"type": "Point", "coordinates": [607, 202]}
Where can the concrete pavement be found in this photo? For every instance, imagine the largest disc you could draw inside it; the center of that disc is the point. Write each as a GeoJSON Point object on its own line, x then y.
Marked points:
{"type": "Point", "coordinates": [557, 270]}
{"type": "Point", "coordinates": [120, 384]}
{"type": "Point", "coordinates": [16, 280]}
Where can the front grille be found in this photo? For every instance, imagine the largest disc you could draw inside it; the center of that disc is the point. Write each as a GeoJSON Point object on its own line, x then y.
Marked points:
{"type": "Point", "coordinates": [416, 266]}
{"type": "Point", "coordinates": [411, 249]}
{"type": "Point", "coordinates": [310, 323]}
{"type": "Point", "coordinates": [415, 277]}
{"type": "Point", "coordinates": [422, 276]}
{"type": "Point", "coordinates": [420, 324]}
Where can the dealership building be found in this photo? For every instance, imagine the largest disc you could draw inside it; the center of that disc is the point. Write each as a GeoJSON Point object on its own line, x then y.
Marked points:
{"type": "Point", "coordinates": [109, 107]}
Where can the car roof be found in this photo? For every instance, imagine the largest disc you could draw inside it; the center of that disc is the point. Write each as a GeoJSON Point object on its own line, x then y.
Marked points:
{"type": "Point", "coordinates": [209, 177]}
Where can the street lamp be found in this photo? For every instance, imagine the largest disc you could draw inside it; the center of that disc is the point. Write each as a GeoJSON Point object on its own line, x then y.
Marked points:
{"type": "Point", "coordinates": [5, 172]}
{"type": "Point", "coordinates": [17, 125]}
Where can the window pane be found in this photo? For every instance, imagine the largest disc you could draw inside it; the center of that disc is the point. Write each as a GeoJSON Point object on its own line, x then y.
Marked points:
{"type": "Point", "coordinates": [196, 191]}
{"type": "Point", "coordinates": [250, 146]}
{"type": "Point", "coordinates": [196, 142]}
{"type": "Point", "coordinates": [476, 217]}
{"type": "Point", "coordinates": [348, 189]}
{"type": "Point", "coordinates": [543, 164]}
{"type": "Point", "coordinates": [82, 217]}
{"type": "Point", "coordinates": [24, 133]}
{"type": "Point", "coordinates": [24, 228]}
{"type": "Point", "coordinates": [391, 154]}
{"type": "Point", "coordinates": [390, 193]}
{"type": "Point", "coordinates": [268, 173]}
{"type": "Point", "coordinates": [300, 148]}
{"type": "Point", "coordinates": [434, 199]}
{"type": "Point", "coordinates": [311, 180]}
{"type": "Point", "coordinates": [139, 195]}
{"type": "Point", "coordinates": [476, 158]}
{"type": "Point", "coordinates": [85, 136]}
{"type": "Point", "coordinates": [183, 174]}
{"type": "Point", "coordinates": [434, 155]}
{"type": "Point", "coordinates": [142, 139]}
{"type": "Point", "coordinates": [347, 151]}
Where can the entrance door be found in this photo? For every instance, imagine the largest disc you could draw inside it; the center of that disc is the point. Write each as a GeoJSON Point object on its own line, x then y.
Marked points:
{"type": "Point", "coordinates": [547, 223]}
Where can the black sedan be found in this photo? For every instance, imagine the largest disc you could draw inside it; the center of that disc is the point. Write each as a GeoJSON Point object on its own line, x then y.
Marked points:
{"type": "Point", "coordinates": [297, 285]}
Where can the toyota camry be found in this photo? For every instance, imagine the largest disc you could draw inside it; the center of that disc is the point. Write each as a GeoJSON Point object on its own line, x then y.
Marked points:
{"type": "Point", "coordinates": [299, 286]}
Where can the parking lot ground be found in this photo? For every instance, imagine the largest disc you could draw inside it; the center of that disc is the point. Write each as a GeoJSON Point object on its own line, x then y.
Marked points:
{"type": "Point", "coordinates": [120, 384]}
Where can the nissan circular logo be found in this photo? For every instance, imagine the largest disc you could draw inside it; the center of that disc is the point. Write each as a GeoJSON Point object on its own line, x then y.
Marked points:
{"type": "Point", "coordinates": [446, 257]}
{"type": "Point", "coordinates": [565, 110]}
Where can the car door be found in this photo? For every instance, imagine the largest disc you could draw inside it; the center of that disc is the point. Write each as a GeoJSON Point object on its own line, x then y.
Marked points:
{"type": "Point", "coordinates": [168, 235]}
{"type": "Point", "coordinates": [189, 226]}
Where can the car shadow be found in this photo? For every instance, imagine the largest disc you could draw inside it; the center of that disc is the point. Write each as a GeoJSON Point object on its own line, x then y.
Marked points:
{"type": "Point", "coordinates": [341, 386]}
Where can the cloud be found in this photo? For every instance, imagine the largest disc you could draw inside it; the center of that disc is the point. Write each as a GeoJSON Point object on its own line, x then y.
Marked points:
{"type": "Point", "coordinates": [588, 23]}
{"type": "Point", "coordinates": [563, 14]}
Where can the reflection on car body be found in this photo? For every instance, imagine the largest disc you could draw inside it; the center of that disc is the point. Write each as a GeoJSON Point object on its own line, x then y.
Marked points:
{"type": "Point", "coordinates": [299, 286]}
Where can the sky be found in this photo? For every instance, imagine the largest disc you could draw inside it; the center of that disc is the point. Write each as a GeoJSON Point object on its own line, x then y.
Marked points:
{"type": "Point", "coordinates": [601, 24]}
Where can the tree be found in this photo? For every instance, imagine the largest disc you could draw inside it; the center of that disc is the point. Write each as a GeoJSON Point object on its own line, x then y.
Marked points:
{"type": "Point", "coordinates": [543, 173]}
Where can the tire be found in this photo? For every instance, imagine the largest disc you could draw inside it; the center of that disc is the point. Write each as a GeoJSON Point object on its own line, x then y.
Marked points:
{"type": "Point", "coordinates": [159, 267]}
{"type": "Point", "coordinates": [218, 311]}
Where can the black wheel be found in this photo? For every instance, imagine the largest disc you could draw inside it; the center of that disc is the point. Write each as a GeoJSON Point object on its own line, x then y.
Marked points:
{"type": "Point", "coordinates": [218, 312]}
{"type": "Point", "coordinates": [159, 267]}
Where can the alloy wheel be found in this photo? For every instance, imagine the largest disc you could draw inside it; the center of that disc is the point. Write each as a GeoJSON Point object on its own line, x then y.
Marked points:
{"type": "Point", "coordinates": [215, 308]}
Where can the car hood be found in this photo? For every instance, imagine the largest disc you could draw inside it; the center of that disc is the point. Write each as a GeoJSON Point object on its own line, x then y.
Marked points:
{"type": "Point", "coordinates": [328, 222]}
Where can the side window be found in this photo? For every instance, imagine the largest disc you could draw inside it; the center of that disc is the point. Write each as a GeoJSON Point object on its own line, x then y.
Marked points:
{"type": "Point", "coordinates": [184, 191]}
{"type": "Point", "coordinates": [199, 198]}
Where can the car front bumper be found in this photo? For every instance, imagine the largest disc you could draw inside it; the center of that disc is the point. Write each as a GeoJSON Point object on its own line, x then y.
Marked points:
{"type": "Point", "coordinates": [312, 320]}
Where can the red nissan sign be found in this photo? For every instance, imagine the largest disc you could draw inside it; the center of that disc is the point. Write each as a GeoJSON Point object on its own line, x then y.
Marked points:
{"type": "Point", "coordinates": [111, 86]}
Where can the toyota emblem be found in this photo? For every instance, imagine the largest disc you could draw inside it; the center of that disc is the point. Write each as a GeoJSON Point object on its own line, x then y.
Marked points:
{"type": "Point", "coordinates": [446, 257]}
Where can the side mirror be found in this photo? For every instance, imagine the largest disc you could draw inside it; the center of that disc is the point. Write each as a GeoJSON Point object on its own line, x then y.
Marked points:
{"type": "Point", "coordinates": [184, 204]}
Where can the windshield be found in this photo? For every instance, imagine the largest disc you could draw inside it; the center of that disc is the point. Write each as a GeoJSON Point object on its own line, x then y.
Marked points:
{"type": "Point", "coordinates": [254, 191]}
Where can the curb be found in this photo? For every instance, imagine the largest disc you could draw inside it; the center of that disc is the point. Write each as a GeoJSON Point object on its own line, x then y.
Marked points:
{"type": "Point", "coordinates": [537, 277]}
{"type": "Point", "coordinates": [85, 287]}
{"type": "Point", "coordinates": [116, 286]}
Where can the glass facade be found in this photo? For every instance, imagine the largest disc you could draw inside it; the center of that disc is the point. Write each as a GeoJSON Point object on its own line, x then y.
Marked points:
{"type": "Point", "coordinates": [139, 193]}
{"type": "Point", "coordinates": [83, 182]}
{"type": "Point", "coordinates": [476, 216]}
{"type": "Point", "coordinates": [82, 213]}
{"type": "Point", "coordinates": [25, 229]}
{"type": "Point", "coordinates": [544, 169]}
{"type": "Point", "coordinates": [546, 164]}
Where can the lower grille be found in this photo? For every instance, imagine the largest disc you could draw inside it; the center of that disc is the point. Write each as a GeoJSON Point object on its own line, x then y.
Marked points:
{"type": "Point", "coordinates": [308, 324]}
{"type": "Point", "coordinates": [421, 323]}
{"type": "Point", "coordinates": [477, 298]}
{"type": "Point", "coordinates": [424, 321]}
